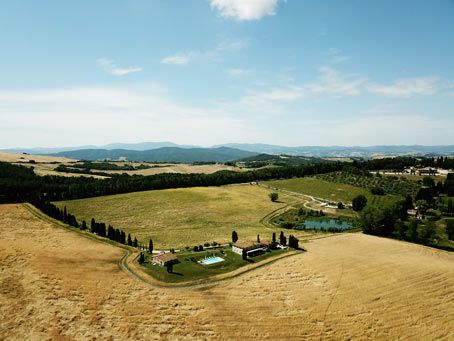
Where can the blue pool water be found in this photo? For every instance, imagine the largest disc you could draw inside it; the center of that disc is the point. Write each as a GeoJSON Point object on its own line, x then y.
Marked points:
{"type": "Point", "coordinates": [327, 224]}
{"type": "Point", "coordinates": [211, 260]}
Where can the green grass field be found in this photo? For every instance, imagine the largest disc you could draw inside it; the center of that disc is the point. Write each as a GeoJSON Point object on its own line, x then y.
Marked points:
{"type": "Point", "coordinates": [189, 270]}
{"type": "Point", "coordinates": [329, 190]}
{"type": "Point", "coordinates": [176, 218]}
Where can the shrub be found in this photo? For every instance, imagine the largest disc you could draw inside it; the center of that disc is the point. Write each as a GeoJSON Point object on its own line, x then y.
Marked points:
{"type": "Point", "coordinates": [273, 196]}
{"type": "Point", "coordinates": [359, 202]}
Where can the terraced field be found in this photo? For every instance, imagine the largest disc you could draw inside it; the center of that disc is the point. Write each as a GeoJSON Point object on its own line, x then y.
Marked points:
{"type": "Point", "coordinates": [57, 284]}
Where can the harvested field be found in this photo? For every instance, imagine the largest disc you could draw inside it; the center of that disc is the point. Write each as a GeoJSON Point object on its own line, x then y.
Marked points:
{"type": "Point", "coordinates": [56, 284]}
{"type": "Point", "coordinates": [180, 168]}
{"type": "Point", "coordinates": [18, 157]}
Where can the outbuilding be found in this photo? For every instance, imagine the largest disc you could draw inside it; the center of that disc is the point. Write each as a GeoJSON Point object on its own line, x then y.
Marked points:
{"type": "Point", "coordinates": [165, 259]}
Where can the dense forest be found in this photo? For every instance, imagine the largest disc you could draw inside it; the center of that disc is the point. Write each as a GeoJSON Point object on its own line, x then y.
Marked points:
{"type": "Point", "coordinates": [20, 184]}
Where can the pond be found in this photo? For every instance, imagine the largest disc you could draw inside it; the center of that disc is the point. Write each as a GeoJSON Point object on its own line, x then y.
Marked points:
{"type": "Point", "coordinates": [330, 224]}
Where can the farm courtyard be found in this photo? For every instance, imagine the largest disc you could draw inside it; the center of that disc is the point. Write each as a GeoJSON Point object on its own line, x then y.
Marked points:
{"type": "Point", "coordinates": [56, 284]}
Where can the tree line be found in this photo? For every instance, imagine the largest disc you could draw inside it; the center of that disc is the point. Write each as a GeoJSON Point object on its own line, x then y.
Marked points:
{"type": "Point", "coordinates": [98, 228]}
{"type": "Point", "coordinates": [21, 184]}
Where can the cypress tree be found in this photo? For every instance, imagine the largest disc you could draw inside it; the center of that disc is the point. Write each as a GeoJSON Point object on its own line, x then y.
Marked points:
{"type": "Point", "coordinates": [150, 246]}
{"type": "Point", "coordinates": [129, 240]}
{"type": "Point", "coordinates": [141, 258]}
{"type": "Point", "coordinates": [234, 237]}
{"type": "Point", "coordinates": [135, 242]}
{"type": "Point", "coordinates": [282, 240]}
{"type": "Point", "coordinates": [93, 225]}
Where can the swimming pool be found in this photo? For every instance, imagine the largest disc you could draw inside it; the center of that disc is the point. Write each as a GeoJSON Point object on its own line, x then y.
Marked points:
{"type": "Point", "coordinates": [211, 260]}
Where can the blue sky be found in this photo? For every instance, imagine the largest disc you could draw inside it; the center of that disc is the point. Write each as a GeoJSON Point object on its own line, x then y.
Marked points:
{"type": "Point", "coordinates": [295, 72]}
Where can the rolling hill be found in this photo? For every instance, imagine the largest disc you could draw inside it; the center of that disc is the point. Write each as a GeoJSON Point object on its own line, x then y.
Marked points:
{"type": "Point", "coordinates": [164, 154]}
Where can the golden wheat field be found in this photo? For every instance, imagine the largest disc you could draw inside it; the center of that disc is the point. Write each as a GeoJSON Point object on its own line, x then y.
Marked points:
{"type": "Point", "coordinates": [18, 157]}
{"type": "Point", "coordinates": [59, 285]}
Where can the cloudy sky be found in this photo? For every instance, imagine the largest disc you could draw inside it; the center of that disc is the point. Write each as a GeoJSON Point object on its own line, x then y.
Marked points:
{"type": "Point", "coordinates": [294, 72]}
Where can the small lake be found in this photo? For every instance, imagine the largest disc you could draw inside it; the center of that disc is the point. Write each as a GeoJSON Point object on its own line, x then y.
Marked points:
{"type": "Point", "coordinates": [327, 224]}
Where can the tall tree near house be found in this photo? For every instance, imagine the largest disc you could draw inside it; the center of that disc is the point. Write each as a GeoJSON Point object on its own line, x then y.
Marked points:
{"type": "Point", "coordinates": [282, 239]}
{"type": "Point", "coordinates": [150, 247]}
{"type": "Point", "coordinates": [141, 258]}
{"type": "Point", "coordinates": [234, 237]}
{"type": "Point", "coordinates": [273, 240]}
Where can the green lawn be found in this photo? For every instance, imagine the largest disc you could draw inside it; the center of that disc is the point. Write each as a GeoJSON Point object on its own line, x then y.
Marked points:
{"type": "Point", "coordinates": [330, 190]}
{"type": "Point", "coordinates": [190, 270]}
{"type": "Point", "coordinates": [176, 218]}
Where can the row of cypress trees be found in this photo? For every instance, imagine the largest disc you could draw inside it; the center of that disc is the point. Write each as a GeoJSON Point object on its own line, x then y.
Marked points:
{"type": "Point", "coordinates": [98, 228]}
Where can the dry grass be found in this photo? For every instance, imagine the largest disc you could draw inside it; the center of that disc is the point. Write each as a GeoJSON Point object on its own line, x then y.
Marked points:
{"type": "Point", "coordinates": [58, 285]}
{"type": "Point", "coordinates": [179, 168]}
{"type": "Point", "coordinates": [181, 217]}
{"type": "Point", "coordinates": [17, 157]}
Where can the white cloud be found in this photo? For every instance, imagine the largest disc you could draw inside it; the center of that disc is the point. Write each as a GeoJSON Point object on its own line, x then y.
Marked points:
{"type": "Point", "coordinates": [244, 9]}
{"type": "Point", "coordinates": [215, 53]}
{"type": "Point", "coordinates": [409, 87]}
{"type": "Point", "coordinates": [178, 59]}
{"type": "Point", "coordinates": [107, 114]}
{"type": "Point", "coordinates": [329, 82]}
{"type": "Point", "coordinates": [111, 68]}
{"type": "Point", "coordinates": [337, 56]}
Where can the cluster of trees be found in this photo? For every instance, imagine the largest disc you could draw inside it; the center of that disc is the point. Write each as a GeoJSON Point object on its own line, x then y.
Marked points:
{"type": "Point", "coordinates": [97, 228]}
{"type": "Point", "coordinates": [58, 214]}
{"type": "Point", "coordinates": [402, 162]}
{"type": "Point", "coordinates": [20, 184]}
{"type": "Point", "coordinates": [392, 221]}
{"type": "Point", "coordinates": [87, 167]}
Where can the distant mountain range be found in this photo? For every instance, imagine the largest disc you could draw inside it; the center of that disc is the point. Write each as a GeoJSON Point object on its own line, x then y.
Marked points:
{"type": "Point", "coordinates": [172, 152]}
{"type": "Point", "coordinates": [340, 151]}
{"type": "Point", "coordinates": [164, 154]}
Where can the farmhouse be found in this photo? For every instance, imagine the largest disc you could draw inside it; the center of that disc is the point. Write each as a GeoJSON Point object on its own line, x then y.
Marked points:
{"type": "Point", "coordinates": [165, 259]}
{"type": "Point", "coordinates": [251, 248]}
